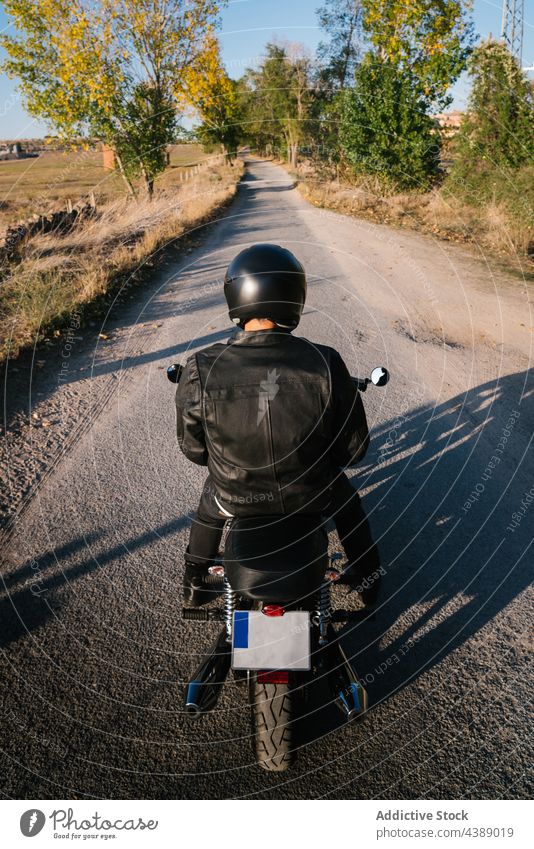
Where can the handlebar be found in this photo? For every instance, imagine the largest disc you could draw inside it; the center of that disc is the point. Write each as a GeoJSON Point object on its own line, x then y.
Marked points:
{"type": "Point", "coordinates": [379, 376]}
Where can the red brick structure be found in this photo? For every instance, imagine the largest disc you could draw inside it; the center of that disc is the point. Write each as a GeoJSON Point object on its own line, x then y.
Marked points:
{"type": "Point", "coordinates": [108, 158]}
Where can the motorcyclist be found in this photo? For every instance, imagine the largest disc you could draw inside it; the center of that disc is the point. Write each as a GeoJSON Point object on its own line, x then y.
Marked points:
{"type": "Point", "coordinates": [275, 418]}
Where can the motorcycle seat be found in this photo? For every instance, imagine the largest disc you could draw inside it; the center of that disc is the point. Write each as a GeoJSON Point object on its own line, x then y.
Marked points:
{"type": "Point", "coordinates": [276, 559]}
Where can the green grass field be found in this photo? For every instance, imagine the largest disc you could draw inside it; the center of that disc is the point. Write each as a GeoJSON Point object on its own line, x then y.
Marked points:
{"type": "Point", "coordinates": [30, 186]}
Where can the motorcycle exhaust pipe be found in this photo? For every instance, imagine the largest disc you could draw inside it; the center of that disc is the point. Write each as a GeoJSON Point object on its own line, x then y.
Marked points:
{"type": "Point", "coordinates": [203, 691]}
{"type": "Point", "coordinates": [349, 693]}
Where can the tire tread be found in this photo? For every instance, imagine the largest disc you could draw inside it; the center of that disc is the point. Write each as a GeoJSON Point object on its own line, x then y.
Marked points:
{"type": "Point", "coordinates": [272, 722]}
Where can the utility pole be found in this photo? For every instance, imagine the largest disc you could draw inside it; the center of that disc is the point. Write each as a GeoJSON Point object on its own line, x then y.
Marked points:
{"type": "Point", "coordinates": [512, 26]}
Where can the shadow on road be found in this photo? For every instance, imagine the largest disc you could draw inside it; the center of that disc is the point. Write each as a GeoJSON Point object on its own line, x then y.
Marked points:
{"type": "Point", "coordinates": [442, 486]}
{"type": "Point", "coordinates": [165, 355]}
{"type": "Point", "coordinates": [30, 592]}
{"type": "Point", "coordinates": [442, 505]}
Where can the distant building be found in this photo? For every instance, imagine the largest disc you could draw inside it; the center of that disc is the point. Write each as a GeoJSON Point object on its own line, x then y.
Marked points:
{"type": "Point", "coordinates": [14, 150]}
{"type": "Point", "coordinates": [450, 121]}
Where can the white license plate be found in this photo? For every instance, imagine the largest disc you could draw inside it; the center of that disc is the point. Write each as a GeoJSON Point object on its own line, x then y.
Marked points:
{"type": "Point", "coordinates": [271, 642]}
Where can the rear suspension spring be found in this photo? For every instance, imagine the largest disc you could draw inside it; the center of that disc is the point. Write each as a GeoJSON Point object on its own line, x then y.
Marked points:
{"type": "Point", "coordinates": [323, 612]}
{"type": "Point", "coordinates": [230, 602]}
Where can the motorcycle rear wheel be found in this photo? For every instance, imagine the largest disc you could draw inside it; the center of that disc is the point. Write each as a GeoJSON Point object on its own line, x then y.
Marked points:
{"type": "Point", "coordinates": [272, 725]}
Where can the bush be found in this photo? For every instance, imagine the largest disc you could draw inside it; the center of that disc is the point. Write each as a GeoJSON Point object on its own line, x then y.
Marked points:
{"type": "Point", "coordinates": [493, 154]}
{"type": "Point", "coordinates": [497, 133]}
{"type": "Point", "coordinates": [385, 128]}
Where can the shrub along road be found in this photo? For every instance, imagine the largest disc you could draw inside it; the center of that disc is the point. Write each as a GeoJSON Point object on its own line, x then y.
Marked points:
{"type": "Point", "coordinates": [94, 653]}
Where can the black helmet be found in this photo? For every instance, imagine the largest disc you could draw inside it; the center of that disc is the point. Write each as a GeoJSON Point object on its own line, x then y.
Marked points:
{"type": "Point", "coordinates": [265, 281]}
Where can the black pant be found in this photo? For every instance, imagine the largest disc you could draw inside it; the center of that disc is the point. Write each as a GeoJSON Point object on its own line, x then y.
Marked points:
{"type": "Point", "coordinates": [345, 509]}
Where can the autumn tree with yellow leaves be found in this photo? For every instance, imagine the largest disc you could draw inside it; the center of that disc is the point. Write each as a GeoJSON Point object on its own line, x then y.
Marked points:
{"type": "Point", "coordinates": [111, 69]}
{"type": "Point", "coordinates": [215, 99]}
{"type": "Point", "coordinates": [430, 39]}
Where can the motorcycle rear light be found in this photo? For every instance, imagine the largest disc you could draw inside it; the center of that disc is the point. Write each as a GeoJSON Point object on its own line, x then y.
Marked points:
{"type": "Point", "coordinates": [279, 676]}
{"type": "Point", "coordinates": [332, 575]}
{"type": "Point", "coordinates": [273, 610]}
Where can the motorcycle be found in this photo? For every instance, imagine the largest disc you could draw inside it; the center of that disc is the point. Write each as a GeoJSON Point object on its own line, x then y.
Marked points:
{"type": "Point", "coordinates": [278, 618]}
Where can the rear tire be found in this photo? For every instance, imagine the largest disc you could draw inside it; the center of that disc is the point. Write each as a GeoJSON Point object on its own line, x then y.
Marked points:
{"type": "Point", "coordinates": [272, 725]}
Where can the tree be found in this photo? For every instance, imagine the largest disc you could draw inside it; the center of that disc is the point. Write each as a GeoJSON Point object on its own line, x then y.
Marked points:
{"type": "Point", "coordinates": [222, 117]}
{"type": "Point", "coordinates": [147, 126]}
{"type": "Point", "coordinates": [338, 56]}
{"type": "Point", "coordinates": [431, 38]}
{"type": "Point", "coordinates": [497, 131]}
{"type": "Point", "coordinates": [420, 48]}
{"type": "Point", "coordinates": [385, 129]}
{"type": "Point", "coordinates": [279, 99]}
{"type": "Point", "coordinates": [110, 69]}
{"type": "Point", "coordinates": [268, 101]}
{"type": "Point", "coordinates": [342, 21]}
{"type": "Point", "coordinates": [296, 121]}
{"type": "Point", "coordinates": [217, 100]}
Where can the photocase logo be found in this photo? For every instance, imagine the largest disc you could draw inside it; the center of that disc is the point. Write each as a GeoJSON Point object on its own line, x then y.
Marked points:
{"type": "Point", "coordinates": [31, 822]}
{"type": "Point", "coordinates": [268, 392]}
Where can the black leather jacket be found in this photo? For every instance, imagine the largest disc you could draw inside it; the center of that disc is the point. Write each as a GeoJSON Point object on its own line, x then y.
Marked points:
{"type": "Point", "coordinates": [274, 417]}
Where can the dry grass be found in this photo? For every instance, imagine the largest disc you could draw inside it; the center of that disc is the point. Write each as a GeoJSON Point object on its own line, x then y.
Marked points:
{"type": "Point", "coordinates": [58, 275]}
{"type": "Point", "coordinates": [39, 185]}
{"type": "Point", "coordinates": [492, 226]}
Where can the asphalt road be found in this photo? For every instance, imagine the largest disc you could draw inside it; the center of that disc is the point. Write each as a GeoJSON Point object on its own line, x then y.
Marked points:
{"type": "Point", "coordinates": [94, 654]}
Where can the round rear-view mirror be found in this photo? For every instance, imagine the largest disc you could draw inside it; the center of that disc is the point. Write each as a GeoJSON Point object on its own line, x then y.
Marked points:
{"type": "Point", "coordinates": [379, 376]}
{"type": "Point", "coordinates": [174, 372]}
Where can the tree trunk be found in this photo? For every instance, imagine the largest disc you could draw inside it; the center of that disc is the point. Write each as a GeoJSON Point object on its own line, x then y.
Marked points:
{"type": "Point", "coordinates": [293, 154]}
{"type": "Point", "coordinates": [124, 175]}
{"type": "Point", "coordinates": [149, 182]}
{"type": "Point", "coordinates": [287, 139]}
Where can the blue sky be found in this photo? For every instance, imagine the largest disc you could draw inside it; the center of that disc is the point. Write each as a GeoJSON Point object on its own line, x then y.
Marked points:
{"type": "Point", "coordinates": [246, 26]}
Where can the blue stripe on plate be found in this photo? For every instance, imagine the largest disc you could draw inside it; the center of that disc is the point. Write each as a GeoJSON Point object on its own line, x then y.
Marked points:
{"type": "Point", "coordinates": [241, 629]}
